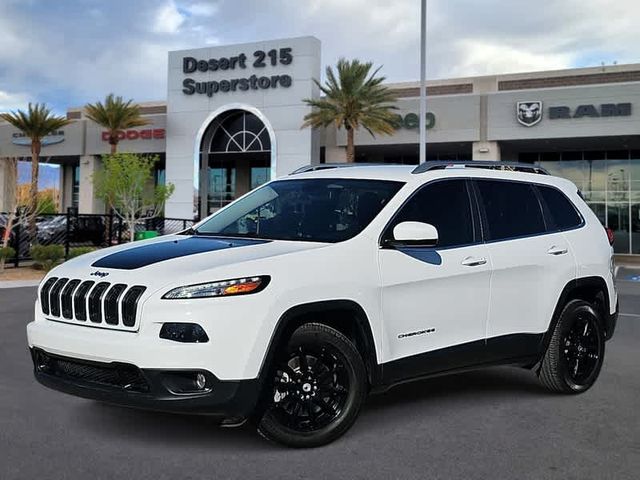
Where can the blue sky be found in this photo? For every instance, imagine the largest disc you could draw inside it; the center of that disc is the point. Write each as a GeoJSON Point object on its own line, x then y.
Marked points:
{"type": "Point", "coordinates": [69, 52]}
{"type": "Point", "coordinates": [48, 176]}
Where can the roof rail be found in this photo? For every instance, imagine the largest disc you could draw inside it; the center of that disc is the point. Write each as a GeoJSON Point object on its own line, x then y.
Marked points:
{"type": "Point", "coordinates": [327, 166]}
{"type": "Point", "coordinates": [488, 164]}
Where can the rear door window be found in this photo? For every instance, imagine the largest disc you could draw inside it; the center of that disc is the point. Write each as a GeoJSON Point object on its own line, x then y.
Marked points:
{"type": "Point", "coordinates": [512, 209]}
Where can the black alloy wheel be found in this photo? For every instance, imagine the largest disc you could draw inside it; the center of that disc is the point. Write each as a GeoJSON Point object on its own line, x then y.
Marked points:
{"type": "Point", "coordinates": [581, 349]}
{"type": "Point", "coordinates": [575, 353]}
{"type": "Point", "coordinates": [317, 388]}
{"type": "Point", "coordinates": [310, 388]}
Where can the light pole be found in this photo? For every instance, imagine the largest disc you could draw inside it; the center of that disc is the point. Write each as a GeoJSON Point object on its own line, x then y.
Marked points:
{"type": "Point", "coordinates": [423, 81]}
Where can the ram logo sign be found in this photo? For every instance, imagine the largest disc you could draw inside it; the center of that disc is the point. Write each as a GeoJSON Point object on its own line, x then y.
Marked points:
{"type": "Point", "coordinates": [529, 113]}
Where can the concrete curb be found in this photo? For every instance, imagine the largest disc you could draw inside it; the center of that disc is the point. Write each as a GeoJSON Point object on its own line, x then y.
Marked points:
{"type": "Point", "coordinates": [19, 283]}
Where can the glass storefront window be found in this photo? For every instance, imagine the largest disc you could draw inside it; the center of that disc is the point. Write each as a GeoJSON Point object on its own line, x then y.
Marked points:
{"type": "Point", "coordinates": [161, 176]}
{"type": "Point", "coordinates": [635, 228]}
{"type": "Point", "coordinates": [610, 184]}
{"type": "Point", "coordinates": [259, 175]}
{"type": "Point", "coordinates": [618, 221]}
{"type": "Point", "coordinates": [236, 158]}
{"type": "Point", "coordinates": [75, 191]}
{"type": "Point", "coordinates": [222, 187]}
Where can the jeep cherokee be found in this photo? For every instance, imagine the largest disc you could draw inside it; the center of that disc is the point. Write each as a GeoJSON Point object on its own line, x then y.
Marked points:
{"type": "Point", "coordinates": [290, 305]}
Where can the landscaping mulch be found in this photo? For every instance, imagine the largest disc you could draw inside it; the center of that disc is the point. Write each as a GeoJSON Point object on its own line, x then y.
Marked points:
{"type": "Point", "coordinates": [21, 273]}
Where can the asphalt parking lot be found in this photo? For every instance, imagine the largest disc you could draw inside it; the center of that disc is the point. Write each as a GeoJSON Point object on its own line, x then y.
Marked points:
{"type": "Point", "coordinates": [492, 424]}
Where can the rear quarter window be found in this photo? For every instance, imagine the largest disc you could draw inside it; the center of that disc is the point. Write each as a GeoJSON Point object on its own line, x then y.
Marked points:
{"type": "Point", "coordinates": [561, 213]}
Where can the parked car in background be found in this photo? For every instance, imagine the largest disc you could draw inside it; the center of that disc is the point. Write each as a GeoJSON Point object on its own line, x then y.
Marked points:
{"type": "Point", "coordinates": [23, 249]}
{"type": "Point", "coordinates": [82, 229]}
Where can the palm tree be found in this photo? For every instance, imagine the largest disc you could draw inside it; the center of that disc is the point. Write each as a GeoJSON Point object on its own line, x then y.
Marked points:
{"type": "Point", "coordinates": [355, 98]}
{"type": "Point", "coordinates": [36, 123]}
{"type": "Point", "coordinates": [115, 114]}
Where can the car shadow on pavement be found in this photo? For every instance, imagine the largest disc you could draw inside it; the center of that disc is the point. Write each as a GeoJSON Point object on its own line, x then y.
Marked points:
{"type": "Point", "coordinates": [196, 431]}
{"type": "Point", "coordinates": [496, 382]}
{"type": "Point", "coordinates": [116, 422]}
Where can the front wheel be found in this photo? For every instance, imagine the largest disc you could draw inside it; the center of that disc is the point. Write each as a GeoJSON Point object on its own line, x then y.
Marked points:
{"type": "Point", "coordinates": [318, 386]}
{"type": "Point", "coordinates": [575, 354]}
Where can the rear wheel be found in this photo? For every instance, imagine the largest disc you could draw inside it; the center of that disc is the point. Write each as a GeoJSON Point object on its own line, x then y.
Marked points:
{"type": "Point", "coordinates": [575, 354]}
{"type": "Point", "coordinates": [318, 386]}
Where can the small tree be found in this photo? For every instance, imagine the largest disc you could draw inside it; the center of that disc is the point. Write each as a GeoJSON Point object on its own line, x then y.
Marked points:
{"type": "Point", "coordinates": [18, 206]}
{"type": "Point", "coordinates": [48, 199]}
{"type": "Point", "coordinates": [115, 115]}
{"type": "Point", "coordinates": [5, 254]}
{"type": "Point", "coordinates": [11, 185]}
{"type": "Point", "coordinates": [125, 183]}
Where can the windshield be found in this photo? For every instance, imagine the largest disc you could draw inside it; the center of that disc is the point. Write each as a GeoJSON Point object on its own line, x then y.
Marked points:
{"type": "Point", "coordinates": [317, 210]}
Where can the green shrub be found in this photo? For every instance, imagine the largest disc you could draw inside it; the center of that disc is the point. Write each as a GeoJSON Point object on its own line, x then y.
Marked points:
{"type": "Point", "coordinates": [46, 257]}
{"type": "Point", "coordinates": [7, 252]}
{"type": "Point", "coordinates": [77, 251]}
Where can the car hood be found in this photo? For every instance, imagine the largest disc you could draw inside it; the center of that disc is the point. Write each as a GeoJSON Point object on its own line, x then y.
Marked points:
{"type": "Point", "coordinates": [174, 258]}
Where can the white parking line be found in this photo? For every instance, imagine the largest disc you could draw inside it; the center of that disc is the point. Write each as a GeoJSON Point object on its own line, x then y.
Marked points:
{"type": "Point", "coordinates": [635, 315]}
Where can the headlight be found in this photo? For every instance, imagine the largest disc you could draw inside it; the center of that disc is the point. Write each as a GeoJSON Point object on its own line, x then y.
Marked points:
{"type": "Point", "coordinates": [223, 288]}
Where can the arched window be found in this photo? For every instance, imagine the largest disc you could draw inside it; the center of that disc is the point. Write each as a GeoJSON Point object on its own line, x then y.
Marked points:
{"type": "Point", "coordinates": [239, 132]}
{"type": "Point", "coordinates": [235, 158]}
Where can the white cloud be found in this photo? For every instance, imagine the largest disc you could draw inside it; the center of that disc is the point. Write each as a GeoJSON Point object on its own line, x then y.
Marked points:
{"type": "Point", "coordinates": [484, 58]}
{"type": "Point", "coordinates": [13, 101]}
{"type": "Point", "coordinates": [168, 19]}
{"type": "Point", "coordinates": [212, 41]}
{"type": "Point", "coordinates": [202, 9]}
{"type": "Point", "coordinates": [68, 55]}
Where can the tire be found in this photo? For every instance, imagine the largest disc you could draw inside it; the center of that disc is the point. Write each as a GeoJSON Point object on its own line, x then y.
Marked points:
{"type": "Point", "coordinates": [317, 387]}
{"type": "Point", "coordinates": [575, 353]}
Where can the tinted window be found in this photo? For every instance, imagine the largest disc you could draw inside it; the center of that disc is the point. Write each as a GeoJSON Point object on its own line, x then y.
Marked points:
{"type": "Point", "coordinates": [317, 210]}
{"type": "Point", "coordinates": [445, 205]}
{"type": "Point", "coordinates": [561, 212]}
{"type": "Point", "coordinates": [512, 209]}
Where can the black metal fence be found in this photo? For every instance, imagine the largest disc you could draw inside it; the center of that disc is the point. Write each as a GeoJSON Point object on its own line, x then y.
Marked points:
{"type": "Point", "coordinates": [73, 230]}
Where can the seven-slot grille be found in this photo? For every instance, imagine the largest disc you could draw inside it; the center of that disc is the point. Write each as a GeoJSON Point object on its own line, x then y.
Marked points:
{"type": "Point", "coordinates": [100, 304]}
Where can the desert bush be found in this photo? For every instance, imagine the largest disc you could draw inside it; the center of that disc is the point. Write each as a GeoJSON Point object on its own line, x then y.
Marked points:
{"type": "Point", "coordinates": [7, 252]}
{"type": "Point", "coordinates": [77, 251]}
{"type": "Point", "coordinates": [46, 257]}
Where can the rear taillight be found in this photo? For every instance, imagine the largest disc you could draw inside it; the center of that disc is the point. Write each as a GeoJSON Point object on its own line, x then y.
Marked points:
{"type": "Point", "coordinates": [610, 235]}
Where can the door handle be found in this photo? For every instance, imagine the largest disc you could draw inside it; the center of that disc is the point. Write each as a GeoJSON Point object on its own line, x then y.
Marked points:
{"type": "Point", "coordinates": [557, 250]}
{"type": "Point", "coordinates": [473, 261]}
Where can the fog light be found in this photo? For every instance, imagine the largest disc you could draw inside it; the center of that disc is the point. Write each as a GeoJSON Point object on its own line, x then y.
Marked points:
{"type": "Point", "coordinates": [43, 362]}
{"type": "Point", "coordinates": [201, 381]}
{"type": "Point", "coordinates": [184, 332]}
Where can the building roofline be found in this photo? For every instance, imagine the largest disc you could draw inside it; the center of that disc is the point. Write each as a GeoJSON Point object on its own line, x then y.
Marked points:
{"type": "Point", "coordinates": [628, 67]}
{"type": "Point", "coordinates": [600, 75]}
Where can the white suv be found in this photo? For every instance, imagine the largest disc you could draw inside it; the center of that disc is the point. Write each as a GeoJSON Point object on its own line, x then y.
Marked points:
{"type": "Point", "coordinates": [291, 304]}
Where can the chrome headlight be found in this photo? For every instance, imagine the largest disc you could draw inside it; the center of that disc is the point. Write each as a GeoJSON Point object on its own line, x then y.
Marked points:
{"type": "Point", "coordinates": [223, 288]}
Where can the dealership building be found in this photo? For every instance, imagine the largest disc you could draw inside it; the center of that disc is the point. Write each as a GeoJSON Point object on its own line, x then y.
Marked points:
{"type": "Point", "coordinates": [233, 114]}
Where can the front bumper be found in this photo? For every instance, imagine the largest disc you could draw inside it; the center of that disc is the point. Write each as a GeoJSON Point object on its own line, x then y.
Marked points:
{"type": "Point", "coordinates": [152, 389]}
